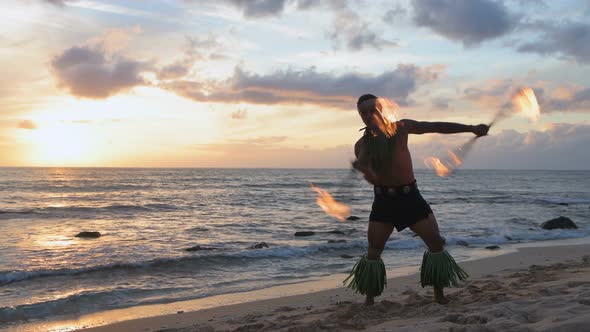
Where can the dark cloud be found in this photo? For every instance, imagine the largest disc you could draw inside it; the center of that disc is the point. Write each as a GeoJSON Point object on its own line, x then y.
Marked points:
{"type": "Point", "coordinates": [577, 101]}
{"type": "Point", "coordinates": [468, 21]}
{"type": "Point", "coordinates": [307, 86]}
{"type": "Point", "coordinates": [259, 8]}
{"type": "Point", "coordinates": [265, 8]}
{"type": "Point", "coordinates": [88, 72]}
{"type": "Point", "coordinates": [567, 39]}
{"type": "Point", "coordinates": [27, 124]}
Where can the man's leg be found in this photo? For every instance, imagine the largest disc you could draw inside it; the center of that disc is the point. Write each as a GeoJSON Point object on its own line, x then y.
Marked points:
{"type": "Point", "coordinates": [427, 229]}
{"type": "Point", "coordinates": [377, 235]}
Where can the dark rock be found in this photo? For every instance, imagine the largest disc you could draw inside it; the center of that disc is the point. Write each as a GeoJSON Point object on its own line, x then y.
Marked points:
{"type": "Point", "coordinates": [559, 223]}
{"type": "Point", "coordinates": [492, 247]}
{"type": "Point", "coordinates": [198, 248]}
{"type": "Point", "coordinates": [89, 235]}
{"type": "Point", "coordinates": [336, 241]}
{"type": "Point", "coordinates": [564, 204]}
{"type": "Point", "coordinates": [353, 218]}
{"type": "Point", "coordinates": [463, 243]}
{"type": "Point", "coordinates": [259, 245]}
{"type": "Point", "coordinates": [507, 237]}
{"type": "Point", "coordinates": [336, 232]}
{"type": "Point", "coordinates": [346, 256]}
{"type": "Point", "coordinates": [304, 233]}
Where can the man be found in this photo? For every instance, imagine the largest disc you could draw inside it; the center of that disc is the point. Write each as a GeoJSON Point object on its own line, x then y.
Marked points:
{"type": "Point", "coordinates": [384, 159]}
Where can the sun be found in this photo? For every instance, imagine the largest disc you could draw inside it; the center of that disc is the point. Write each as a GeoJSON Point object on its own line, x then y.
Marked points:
{"type": "Point", "coordinates": [63, 144]}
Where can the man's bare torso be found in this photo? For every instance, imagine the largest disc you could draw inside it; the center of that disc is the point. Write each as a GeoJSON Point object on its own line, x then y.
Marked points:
{"type": "Point", "coordinates": [401, 172]}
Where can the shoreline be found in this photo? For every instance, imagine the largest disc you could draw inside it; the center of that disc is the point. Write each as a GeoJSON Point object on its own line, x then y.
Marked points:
{"type": "Point", "coordinates": [324, 293]}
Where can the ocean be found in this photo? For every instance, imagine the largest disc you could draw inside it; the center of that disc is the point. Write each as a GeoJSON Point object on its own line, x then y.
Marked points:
{"type": "Point", "coordinates": [149, 217]}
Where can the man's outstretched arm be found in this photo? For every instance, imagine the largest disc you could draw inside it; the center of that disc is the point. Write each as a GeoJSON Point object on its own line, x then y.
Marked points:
{"type": "Point", "coordinates": [424, 127]}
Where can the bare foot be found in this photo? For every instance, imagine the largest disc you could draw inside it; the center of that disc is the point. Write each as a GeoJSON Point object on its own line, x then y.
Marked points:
{"type": "Point", "coordinates": [439, 296]}
{"type": "Point", "coordinates": [370, 300]}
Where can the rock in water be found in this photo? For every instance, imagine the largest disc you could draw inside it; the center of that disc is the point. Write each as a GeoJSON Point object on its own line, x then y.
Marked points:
{"type": "Point", "coordinates": [89, 235]}
{"type": "Point", "coordinates": [492, 247]}
{"type": "Point", "coordinates": [304, 233]}
{"type": "Point", "coordinates": [198, 248]}
{"type": "Point", "coordinates": [259, 245]}
{"type": "Point", "coordinates": [462, 243]}
{"type": "Point", "coordinates": [559, 223]}
{"type": "Point", "coordinates": [353, 218]}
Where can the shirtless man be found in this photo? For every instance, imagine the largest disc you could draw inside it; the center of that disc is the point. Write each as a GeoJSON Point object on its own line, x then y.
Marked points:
{"type": "Point", "coordinates": [384, 159]}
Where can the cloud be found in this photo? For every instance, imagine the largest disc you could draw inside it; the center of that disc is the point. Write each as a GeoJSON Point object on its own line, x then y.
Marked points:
{"type": "Point", "coordinates": [391, 16]}
{"type": "Point", "coordinates": [259, 8]}
{"type": "Point", "coordinates": [114, 40]}
{"type": "Point", "coordinates": [87, 72]}
{"type": "Point", "coordinates": [470, 22]}
{"type": "Point", "coordinates": [265, 140]}
{"type": "Point", "coordinates": [307, 86]}
{"type": "Point", "coordinates": [497, 95]}
{"type": "Point", "coordinates": [267, 8]}
{"type": "Point", "coordinates": [57, 2]}
{"type": "Point", "coordinates": [263, 155]}
{"type": "Point", "coordinates": [557, 147]}
{"type": "Point", "coordinates": [575, 100]}
{"type": "Point", "coordinates": [27, 124]}
{"type": "Point", "coordinates": [197, 48]}
{"type": "Point", "coordinates": [239, 115]}
{"type": "Point", "coordinates": [441, 103]}
{"type": "Point", "coordinates": [567, 39]}
{"type": "Point", "coordinates": [356, 34]}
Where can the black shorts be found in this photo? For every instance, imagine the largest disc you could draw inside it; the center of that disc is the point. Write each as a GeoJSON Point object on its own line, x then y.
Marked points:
{"type": "Point", "coordinates": [402, 206]}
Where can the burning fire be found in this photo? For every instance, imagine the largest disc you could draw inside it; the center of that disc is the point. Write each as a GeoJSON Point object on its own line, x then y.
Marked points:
{"type": "Point", "coordinates": [455, 158]}
{"type": "Point", "coordinates": [446, 166]}
{"type": "Point", "coordinates": [330, 205]}
{"type": "Point", "coordinates": [526, 103]}
{"type": "Point", "coordinates": [389, 109]}
{"type": "Point", "coordinates": [441, 168]}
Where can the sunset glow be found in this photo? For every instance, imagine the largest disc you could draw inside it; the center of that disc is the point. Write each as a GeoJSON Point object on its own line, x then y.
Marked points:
{"type": "Point", "coordinates": [232, 84]}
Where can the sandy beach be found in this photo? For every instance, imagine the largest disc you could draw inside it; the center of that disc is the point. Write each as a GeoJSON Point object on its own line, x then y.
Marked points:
{"type": "Point", "coordinates": [537, 288]}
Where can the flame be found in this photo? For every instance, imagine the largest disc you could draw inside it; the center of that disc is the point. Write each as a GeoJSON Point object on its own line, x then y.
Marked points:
{"type": "Point", "coordinates": [526, 103]}
{"type": "Point", "coordinates": [388, 109]}
{"type": "Point", "coordinates": [330, 205]}
{"type": "Point", "coordinates": [455, 158]}
{"type": "Point", "coordinates": [440, 167]}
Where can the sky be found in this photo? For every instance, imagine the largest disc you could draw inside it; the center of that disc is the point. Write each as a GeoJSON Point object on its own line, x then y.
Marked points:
{"type": "Point", "coordinates": [263, 83]}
